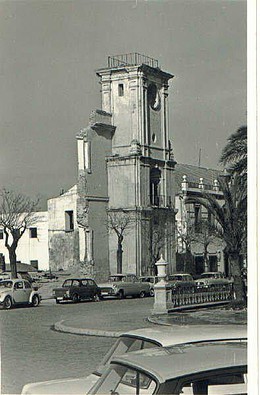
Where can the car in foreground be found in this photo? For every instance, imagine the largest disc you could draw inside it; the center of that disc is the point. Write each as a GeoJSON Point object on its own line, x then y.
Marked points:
{"type": "Point", "coordinates": [17, 291]}
{"type": "Point", "coordinates": [139, 339]}
{"type": "Point", "coordinates": [181, 282]}
{"type": "Point", "coordinates": [213, 280]}
{"type": "Point", "coordinates": [199, 369]}
{"type": "Point", "coordinates": [77, 289]}
{"type": "Point", "coordinates": [122, 285]}
{"type": "Point", "coordinates": [152, 280]}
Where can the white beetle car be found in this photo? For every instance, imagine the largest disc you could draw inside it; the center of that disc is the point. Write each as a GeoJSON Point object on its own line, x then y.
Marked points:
{"type": "Point", "coordinates": [158, 336]}
{"type": "Point", "coordinates": [15, 292]}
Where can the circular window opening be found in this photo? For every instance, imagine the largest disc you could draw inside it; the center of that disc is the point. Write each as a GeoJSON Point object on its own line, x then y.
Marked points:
{"type": "Point", "coordinates": [154, 138]}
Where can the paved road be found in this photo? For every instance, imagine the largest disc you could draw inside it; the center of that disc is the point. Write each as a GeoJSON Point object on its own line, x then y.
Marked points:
{"type": "Point", "coordinates": [32, 351]}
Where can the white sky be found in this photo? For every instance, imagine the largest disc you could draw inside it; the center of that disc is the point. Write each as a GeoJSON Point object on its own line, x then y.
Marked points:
{"type": "Point", "coordinates": [51, 49]}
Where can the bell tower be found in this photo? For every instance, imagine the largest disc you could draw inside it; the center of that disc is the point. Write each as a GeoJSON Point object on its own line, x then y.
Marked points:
{"type": "Point", "coordinates": [134, 90]}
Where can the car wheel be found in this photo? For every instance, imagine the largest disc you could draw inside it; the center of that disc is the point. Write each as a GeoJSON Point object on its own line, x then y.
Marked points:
{"type": "Point", "coordinates": [151, 292]}
{"type": "Point", "coordinates": [35, 300]}
{"type": "Point", "coordinates": [57, 301]}
{"type": "Point", "coordinates": [121, 294]}
{"type": "Point", "coordinates": [75, 298]}
{"type": "Point", "coordinates": [142, 294]}
{"type": "Point", "coordinates": [8, 303]}
{"type": "Point", "coordinates": [96, 298]}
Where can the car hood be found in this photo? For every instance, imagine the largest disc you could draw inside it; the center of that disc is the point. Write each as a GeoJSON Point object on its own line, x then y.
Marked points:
{"type": "Point", "coordinates": [107, 285]}
{"type": "Point", "coordinates": [63, 386]}
{"type": "Point", "coordinates": [4, 290]}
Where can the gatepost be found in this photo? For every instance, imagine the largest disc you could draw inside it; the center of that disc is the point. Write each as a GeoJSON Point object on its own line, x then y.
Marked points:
{"type": "Point", "coordinates": [162, 290]}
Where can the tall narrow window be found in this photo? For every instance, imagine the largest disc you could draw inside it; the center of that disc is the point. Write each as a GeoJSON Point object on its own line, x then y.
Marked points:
{"type": "Point", "coordinates": [88, 155]}
{"type": "Point", "coordinates": [69, 221]}
{"type": "Point", "coordinates": [155, 178]}
{"type": "Point", "coordinates": [197, 212]}
{"type": "Point", "coordinates": [1, 234]}
{"type": "Point", "coordinates": [33, 233]}
{"type": "Point", "coordinates": [120, 89]}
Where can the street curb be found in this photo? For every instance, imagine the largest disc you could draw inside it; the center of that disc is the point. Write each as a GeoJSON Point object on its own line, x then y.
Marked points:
{"type": "Point", "coordinates": [85, 332]}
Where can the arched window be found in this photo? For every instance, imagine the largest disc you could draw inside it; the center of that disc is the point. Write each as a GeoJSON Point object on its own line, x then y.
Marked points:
{"type": "Point", "coordinates": [155, 178]}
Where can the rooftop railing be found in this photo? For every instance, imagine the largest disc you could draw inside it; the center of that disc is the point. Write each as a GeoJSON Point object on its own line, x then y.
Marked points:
{"type": "Point", "coordinates": [131, 59]}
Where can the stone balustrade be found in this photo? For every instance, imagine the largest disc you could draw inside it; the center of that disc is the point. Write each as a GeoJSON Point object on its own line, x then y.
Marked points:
{"type": "Point", "coordinates": [201, 296]}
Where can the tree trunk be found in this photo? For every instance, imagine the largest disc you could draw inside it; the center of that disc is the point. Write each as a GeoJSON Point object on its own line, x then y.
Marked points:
{"type": "Point", "coordinates": [206, 259]}
{"type": "Point", "coordinates": [119, 258]}
{"type": "Point", "coordinates": [12, 258]}
{"type": "Point", "coordinates": [234, 265]}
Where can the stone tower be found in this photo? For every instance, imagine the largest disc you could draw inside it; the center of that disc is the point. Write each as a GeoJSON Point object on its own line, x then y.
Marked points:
{"type": "Point", "coordinates": [140, 168]}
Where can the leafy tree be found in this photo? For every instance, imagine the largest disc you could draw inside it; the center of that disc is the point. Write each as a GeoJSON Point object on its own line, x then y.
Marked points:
{"type": "Point", "coordinates": [120, 222]}
{"type": "Point", "coordinates": [231, 216]}
{"type": "Point", "coordinates": [234, 155]}
{"type": "Point", "coordinates": [17, 213]}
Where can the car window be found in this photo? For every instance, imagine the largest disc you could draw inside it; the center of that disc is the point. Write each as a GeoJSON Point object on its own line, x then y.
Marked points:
{"type": "Point", "coordinates": [123, 380]}
{"type": "Point", "coordinates": [116, 279]}
{"type": "Point", "coordinates": [18, 285]}
{"type": "Point", "coordinates": [84, 282]}
{"type": "Point", "coordinates": [175, 278]}
{"type": "Point", "coordinates": [216, 383]}
{"type": "Point", "coordinates": [126, 344]}
{"type": "Point", "coordinates": [76, 283]}
{"type": "Point", "coordinates": [67, 283]}
{"type": "Point", "coordinates": [6, 284]}
{"type": "Point", "coordinates": [91, 282]}
{"type": "Point", "coordinates": [27, 285]}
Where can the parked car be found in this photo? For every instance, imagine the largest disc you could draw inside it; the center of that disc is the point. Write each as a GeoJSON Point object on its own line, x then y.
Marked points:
{"type": "Point", "coordinates": [18, 291]}
{"type": "Point", "coordinates": [122, 285]}
{"type": "Point", "coordinates": [181, 282]}
{"type": "Point", "coordinates": [50, 276]}
{"type": "Point", "coordinates": [203, 368]}
{"type": "Point", "coordinates": [152, 280]}
{"type": "Point", "coordinates": [213, 280]}
{"type": "Point", "coordinates": [77, 289]}
{"type": "Point", "coordinates": [159, 336]}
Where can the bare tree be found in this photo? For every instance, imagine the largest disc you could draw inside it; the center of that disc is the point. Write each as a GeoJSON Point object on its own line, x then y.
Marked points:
{"type": "Point", "coordinates": [17, 213]}
{"type": "Point", "coordinates": [186, 235]}
{"type": "Point", "coordinates": [159, 235]}
{"type": "Point", "coordinates": [120, 222]}
{"type": "Point", "coordinates": [205, 234]}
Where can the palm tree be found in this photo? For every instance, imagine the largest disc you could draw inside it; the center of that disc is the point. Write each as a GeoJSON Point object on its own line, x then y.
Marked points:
{"type": "Point", "coordinates": [231, 217]}
{"type": "Point", "coordinates": [234, 155]}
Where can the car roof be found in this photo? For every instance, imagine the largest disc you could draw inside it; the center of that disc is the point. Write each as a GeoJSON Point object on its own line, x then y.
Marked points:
{"type": "Point", "coordinates": [171, 362]}
{"type": "Point", "coordinates": [78, 278]}
{"type": "Point", "coordinates": [180, 274]}
{"type": "Point", "coordinates": [212, 273]}
{"type": "Point", "coordinates": [171, 335]}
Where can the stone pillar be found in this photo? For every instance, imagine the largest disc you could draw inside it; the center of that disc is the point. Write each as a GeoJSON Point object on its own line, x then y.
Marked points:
{"type": "Point", "coordinates": [162, 290]}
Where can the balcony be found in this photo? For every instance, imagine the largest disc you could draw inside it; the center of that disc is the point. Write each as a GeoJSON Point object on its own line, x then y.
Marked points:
{"type": "Point", "coordinates": [161, 201]}
{"type": "Point", "coordinates": [131, 59]}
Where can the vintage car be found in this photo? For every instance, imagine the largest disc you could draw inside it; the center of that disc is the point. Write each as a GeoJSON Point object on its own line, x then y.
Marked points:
{"type": "Point", "coordinates": [198, 369]}
{"type": "Point", "coordinates": [159, 336]}
{"type": "Point", "coordinates": [122, 285]}
{"type": "Point", "coordinates": [152, 280]}
{"type": "Point", "coordinates": [77, 289]}
{"type": "Point", "coordinates": [181, 282]}
{"type": "Point", "coordinates": [213, 280]}
{"type": "Point", "coordinates": [18, 291]}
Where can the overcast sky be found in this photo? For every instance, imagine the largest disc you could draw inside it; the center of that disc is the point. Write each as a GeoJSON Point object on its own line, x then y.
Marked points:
{"type": "Point", "coordinates": [51, 49]}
